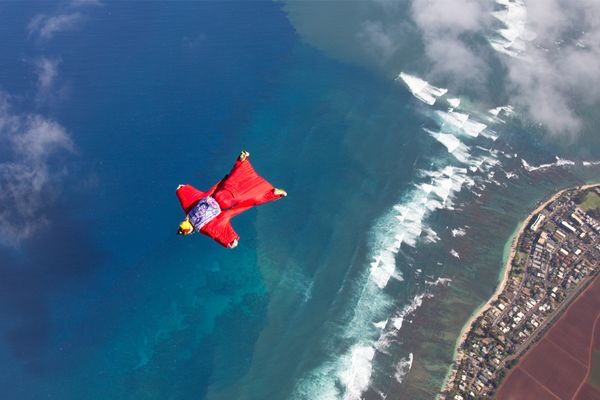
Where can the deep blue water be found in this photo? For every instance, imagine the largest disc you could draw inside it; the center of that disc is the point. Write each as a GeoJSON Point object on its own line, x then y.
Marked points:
{"type": "Point", "coordinates": [105, 301]}
{"type": "Point", "coordinates": [152, 95]}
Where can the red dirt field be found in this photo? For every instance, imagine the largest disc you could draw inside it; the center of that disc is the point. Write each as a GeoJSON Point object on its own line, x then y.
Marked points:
{"type": "Point", "coordinates": [557, 367]}
{"type": "Point", "coordinates": [597, 335]}
{"type": "Point", "coordinates": [587, 392]}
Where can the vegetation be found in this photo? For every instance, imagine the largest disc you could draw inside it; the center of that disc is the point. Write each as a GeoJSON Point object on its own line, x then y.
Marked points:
{"type": "Point", "coordinates": [549, 227]}
{"type": "Point", "coordinates": [591, 201]}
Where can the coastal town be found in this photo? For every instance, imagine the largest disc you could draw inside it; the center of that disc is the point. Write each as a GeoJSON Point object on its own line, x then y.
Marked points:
{"type": "Point", "coordinates": [554, 258]}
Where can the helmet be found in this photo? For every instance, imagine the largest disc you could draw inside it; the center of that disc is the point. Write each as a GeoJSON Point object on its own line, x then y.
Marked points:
{"type": "Point", "coordinates": [185, 228]}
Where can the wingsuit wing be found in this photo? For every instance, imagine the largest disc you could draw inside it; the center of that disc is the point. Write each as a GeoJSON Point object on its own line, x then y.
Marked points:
{"type": "Point", "coordinates": [189, 196]}
{"type": "Point", "coordinates": [220, 230]}
{"type": "Point", "coordinates": [242, 189]}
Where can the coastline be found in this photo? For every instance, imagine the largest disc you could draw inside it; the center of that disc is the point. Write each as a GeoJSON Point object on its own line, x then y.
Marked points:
{"type": "Point", "coordinates": [506, 270]}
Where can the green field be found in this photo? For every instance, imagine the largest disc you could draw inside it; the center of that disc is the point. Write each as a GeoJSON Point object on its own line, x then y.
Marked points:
{"type": "Point", "coordinates": [591, 201]}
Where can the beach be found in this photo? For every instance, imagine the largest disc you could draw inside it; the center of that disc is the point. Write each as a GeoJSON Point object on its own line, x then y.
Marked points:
{"type": "Point", "coordinates": [506, 271]}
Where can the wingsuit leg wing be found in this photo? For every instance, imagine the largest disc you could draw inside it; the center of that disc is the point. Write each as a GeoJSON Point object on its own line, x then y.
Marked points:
{"type": "Point", "coordinates": [243, 188]}
{"type": "Point", "coordinates": [220, 230]}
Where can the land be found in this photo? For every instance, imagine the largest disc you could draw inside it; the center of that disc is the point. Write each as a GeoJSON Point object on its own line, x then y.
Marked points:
{"type": "Point", "coordinates": [554, 258]}
{"type": "Point", "coordinates": [565, 351]}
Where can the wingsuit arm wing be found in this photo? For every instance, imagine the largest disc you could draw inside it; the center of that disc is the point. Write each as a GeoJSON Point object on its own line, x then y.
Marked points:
{"type": "Point", "coordinates": [220, 230]}
{"type": "Point", "coordinates": [188, 197]}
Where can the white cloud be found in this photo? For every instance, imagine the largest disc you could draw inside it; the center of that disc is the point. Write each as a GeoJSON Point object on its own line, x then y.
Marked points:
{"type": "Point", "coordinates": [46, 26]}
{"type": "Point", "coordinates": [559, 73]}
{"type": "Point", "coordinates": [47, 72]}
{"type": "Point", "coordinates": [552, 64]}
{"type": "Point", "coordinates": [27, 179]}
{"type": "Point", "coordinates": [444, 25]}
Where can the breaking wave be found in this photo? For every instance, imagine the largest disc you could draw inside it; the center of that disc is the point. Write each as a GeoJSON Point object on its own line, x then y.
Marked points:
{"type": "Point", "coordinates": [460, 123]}
{"type": "Point", "coordinates": [560, 162]}
{"type": "Point", "coordinates": [454, 146]}
{"type": "Point", "coordinates": [439, 282]}
{"type": "Point", "coordinates": [590, 163]}
{"type": "Point", "coordinates": [501, 111]}
{"type": "Point", "coordinates": [459, 232]}
{"type": "Point", "coordinates": [511, 38]}
{"type": "Point", "coordinates": [403, 368]}
{"type": "Point", "coordinates": [421, 89]}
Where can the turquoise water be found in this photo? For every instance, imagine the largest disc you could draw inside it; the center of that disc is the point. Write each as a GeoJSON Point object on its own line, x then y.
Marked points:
{"type": "Point", "coordinates": [105, 301]}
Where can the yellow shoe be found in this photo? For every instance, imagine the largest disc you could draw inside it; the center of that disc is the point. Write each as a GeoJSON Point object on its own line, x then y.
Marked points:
{"type": "Point", "coordinates": [279, 192]}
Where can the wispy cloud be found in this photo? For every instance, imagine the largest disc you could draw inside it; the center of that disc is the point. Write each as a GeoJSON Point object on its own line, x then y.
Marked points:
{"type": "Point", "coordinates": [559, 73]}
{"type": "Point", "coordinates": [47, 70]}
{"type": "Point", "coordinates": [29, 142]}
{"type": "Point", "coordinates": [46, 26]}
{"type": "Point", "coordinates": [553, 71]}
{"type": "Point", "coordinates": [444, 26]}
{"type": "Point", "coordinates": [66, 18]}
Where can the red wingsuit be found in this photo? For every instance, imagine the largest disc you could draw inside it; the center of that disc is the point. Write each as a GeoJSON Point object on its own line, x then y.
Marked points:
{"type": "Point", "coordinates": [237, 192]}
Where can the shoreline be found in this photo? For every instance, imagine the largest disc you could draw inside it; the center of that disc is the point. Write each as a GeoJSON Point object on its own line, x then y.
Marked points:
{"type": "Point", "coordinates": [506, 270]}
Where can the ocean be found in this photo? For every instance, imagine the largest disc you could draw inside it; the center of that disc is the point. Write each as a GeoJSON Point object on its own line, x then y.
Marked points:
{"type": "Point", "coordinates": [354, 286]}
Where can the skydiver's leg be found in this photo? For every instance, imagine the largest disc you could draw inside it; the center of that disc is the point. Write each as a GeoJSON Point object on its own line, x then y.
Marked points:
{"type": "Point", "coordinates": [243, 155]}
{"type": "Point", "coordinates": [243, 184]}
{"type": "Point", "coordinates": [241, 169]}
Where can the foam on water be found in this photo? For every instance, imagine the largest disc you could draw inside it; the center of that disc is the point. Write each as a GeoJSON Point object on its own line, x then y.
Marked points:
{"type": "Point", "coordinates": [460, 123]}
{"type": "Point", "coordinates": [453, 102]}
{"type": "Point", "coordinates": [397, 319]}
{"type": "Point", "coordinates": [560, 162]}
{"type": "Point", "coordinates": [454, 146]}
{"type": "Point", "coordinates": [421, 89]}
{"type": "Point", "coordinates": [404, 223]}
{"type": "Point", "coordinates": [380, 324]}
{"type": "Point", "coordinates": [454, 253]}
{"type": "Point", "coordinates": [590, 163]}
{"type": "Point", "coordinates": [356, 378]}
{"type": "Point", "coordinates": [431, 236]}
{"type": "Point", "coordinates": [417, 301]}
{"type": "Point", "coordinates": [459, 232]}
{"type": "Point", "coordinates": [348, 375]}
{"type": "Point", "coordinates": [403, 368]}
{"type": "Point", "coordinates": [510, 39]}
{"type": "Point", "coordinates": [506, 110]}
{"type": "Point", "coordinates": [439, 282]}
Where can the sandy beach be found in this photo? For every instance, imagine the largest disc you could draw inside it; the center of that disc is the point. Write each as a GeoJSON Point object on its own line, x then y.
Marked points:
{"type": "Point", "coordinates": [503, 282]}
